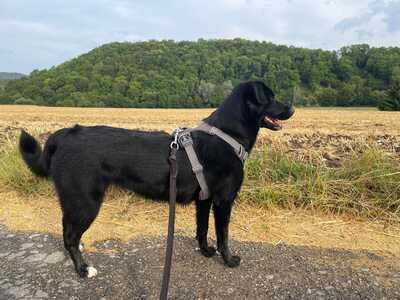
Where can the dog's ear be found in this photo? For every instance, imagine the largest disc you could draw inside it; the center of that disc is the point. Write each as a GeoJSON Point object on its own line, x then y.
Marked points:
{"type": "Point", "coordinates": [262, 94]}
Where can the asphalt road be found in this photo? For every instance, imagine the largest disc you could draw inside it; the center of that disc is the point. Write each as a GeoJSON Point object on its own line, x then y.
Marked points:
{"type": "Point", "coordinates": [34, 266]}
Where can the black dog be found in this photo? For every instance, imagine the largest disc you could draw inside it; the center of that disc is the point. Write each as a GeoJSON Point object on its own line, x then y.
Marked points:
{"type": "Point", "coordinates": [84, 161]}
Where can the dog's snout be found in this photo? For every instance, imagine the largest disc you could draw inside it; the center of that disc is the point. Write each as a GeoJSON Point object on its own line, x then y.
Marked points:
{"type": "Point", "coordinates": [288, 113]}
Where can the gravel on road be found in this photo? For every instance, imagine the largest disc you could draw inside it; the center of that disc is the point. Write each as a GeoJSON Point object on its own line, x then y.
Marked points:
{"type": "Point", "coordinates": [35, 266]}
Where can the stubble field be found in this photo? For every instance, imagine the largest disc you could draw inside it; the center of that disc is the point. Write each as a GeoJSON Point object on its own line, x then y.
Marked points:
{"type": "Point", "coordinates": [330, 178]}
{"type": "Point", "coordinates": [317, 131]}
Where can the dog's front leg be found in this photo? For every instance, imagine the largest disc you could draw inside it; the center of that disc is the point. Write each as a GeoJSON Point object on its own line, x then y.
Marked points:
{"type": "Point", "coordinates": [202, 216]}
{"type": "Point", "coordinates": [222, 214]}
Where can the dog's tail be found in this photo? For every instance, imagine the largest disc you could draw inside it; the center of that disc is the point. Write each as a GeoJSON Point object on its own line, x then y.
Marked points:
{"type": "Point", "coordinates": [37, 160]}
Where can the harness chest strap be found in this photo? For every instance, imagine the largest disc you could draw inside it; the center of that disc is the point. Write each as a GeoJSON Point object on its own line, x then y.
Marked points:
{"type": "Point", "coordinates": [239, 149]}
{"type": "Point", "coordinates": [186, 141]}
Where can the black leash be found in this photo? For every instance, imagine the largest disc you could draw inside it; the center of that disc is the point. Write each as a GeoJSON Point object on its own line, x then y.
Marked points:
{"type": "Point", "coordinates": [173, 173]}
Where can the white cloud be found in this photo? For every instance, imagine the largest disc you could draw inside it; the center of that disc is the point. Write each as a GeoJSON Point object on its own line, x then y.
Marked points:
{"type": "Point", "coordinates": [378, 24]}
{"type": "Point", "coordinates": [39, 34]}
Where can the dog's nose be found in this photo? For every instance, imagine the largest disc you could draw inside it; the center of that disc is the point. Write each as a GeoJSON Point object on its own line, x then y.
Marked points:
{"type": "Point", "coordinates": [287, 114]}
{"type": "Point", "coordinates": [290, 111]}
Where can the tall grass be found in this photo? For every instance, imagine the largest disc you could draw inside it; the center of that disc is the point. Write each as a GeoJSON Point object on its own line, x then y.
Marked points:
{"type": "Point", "coordinates": [16, 175]}
{"type": "Point", "coordinates": [367, 184]}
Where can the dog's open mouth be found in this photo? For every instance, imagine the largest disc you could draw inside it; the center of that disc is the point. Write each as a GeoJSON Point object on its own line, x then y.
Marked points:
{"type": "Point", "coordinates": [272, 123]}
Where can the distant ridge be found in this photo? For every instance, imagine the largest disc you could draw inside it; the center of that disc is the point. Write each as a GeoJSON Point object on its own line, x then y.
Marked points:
{"type": "Point", "coordinates": [10, 76]}
{"type": "Point", "coordinates": [201, 73]}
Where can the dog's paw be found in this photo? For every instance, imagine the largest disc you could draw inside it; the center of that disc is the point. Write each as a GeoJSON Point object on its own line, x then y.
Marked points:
{"type": "Point", "coordinates": [83, 271]}
{"type": "Point", "coordinates": [81, 247]}
{"type": "Point", "coordinates": [91, 272]}
{"type": "Point", "coordinates": [208, 251]}
{"type": "Point", "coordinates": [233, 261]}
{"type": "Point", "coordinates": [87, 272]}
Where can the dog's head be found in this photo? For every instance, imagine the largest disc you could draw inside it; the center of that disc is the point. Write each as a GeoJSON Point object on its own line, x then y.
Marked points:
{"type": "Point", "coordinates": [262, 107]}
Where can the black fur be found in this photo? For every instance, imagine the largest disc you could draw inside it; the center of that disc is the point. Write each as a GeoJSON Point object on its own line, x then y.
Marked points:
{"type": "Point", "coordinates": [84, 161]}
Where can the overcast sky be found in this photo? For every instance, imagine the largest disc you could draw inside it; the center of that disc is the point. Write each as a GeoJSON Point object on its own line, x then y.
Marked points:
{"type": "Point", "coordinates": [37, 34]}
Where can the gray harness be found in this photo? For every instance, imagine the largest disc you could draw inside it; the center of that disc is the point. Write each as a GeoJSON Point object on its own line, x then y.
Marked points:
{"type": "Point", "coordinates": [184, 139]}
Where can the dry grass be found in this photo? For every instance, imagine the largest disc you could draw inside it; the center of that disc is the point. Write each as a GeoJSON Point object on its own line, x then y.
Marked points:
{"type": "Point", "coordinates": [123, 217]}
{"type": "Point", "coordinates": [317, 137]}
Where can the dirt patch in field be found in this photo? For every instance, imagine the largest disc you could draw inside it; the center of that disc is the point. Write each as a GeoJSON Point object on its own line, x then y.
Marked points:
{"type": "Point", "coordinates": [122, 218]}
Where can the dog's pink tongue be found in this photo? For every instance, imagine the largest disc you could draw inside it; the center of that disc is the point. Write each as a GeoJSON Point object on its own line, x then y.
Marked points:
{"type": "Point", "coordinates": [271, 120]}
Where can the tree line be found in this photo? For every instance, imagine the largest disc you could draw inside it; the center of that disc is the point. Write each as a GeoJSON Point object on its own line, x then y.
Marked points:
{"type": "Point", "coordinates": [201, 73]}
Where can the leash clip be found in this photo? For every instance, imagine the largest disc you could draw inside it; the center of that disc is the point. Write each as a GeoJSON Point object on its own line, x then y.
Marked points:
{"type": "Point", "coordinates": [175, 144]}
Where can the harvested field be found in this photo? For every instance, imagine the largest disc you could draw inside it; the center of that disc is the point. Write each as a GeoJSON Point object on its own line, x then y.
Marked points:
{"type": "Point", "coordinates": [330, 131]}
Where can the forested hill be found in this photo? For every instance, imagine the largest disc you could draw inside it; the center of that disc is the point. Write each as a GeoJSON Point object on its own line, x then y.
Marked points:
{"type": "Point", "coordinates": [199, 74]}
{"type": "Point", "coordinates": [10, 76]}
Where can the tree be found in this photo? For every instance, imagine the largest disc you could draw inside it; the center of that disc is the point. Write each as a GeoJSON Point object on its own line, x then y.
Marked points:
{"type": "Point", "coordinates": [24, 101]}
{"type": "Point", "coordinates": [206, 90]}
{"type": "Point", "coordinates": [392, 99]}
{"type": "Point", "coordinates": [120, 85]}
{"type": "Point", "coordinates": [327, 97]}
{"type": "Point", "coordinates": [134, 90]}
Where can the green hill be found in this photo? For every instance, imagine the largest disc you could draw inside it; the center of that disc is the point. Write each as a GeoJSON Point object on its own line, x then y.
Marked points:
{"type": "Point", "coordinates": [199, 74]}
{"type": "Point", "coordinates": [7, 76]}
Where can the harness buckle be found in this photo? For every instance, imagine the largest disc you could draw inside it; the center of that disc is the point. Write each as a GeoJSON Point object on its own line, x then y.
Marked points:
{"type": "Point", "coordinates": [197, 169]}
{"type": "Point", "coordinates": [185, 139]}
{"type": "Point", "coordinates": [243, 154]}
{"type": "Point", "coordinates": [212, 131]}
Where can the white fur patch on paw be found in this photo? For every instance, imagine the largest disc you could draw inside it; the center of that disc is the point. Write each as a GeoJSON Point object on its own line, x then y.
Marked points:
{"type": "Point", "coordinates": [91, 272]}
{"type": "Point", "coordinates": [80, 247]}
{"type": "Point", "coordinates": [217, 253]}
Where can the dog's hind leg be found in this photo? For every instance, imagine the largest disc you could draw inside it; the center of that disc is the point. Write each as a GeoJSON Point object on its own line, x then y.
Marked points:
{"type": "Point", "coordinates": [79, 211]}
{"type": "Point", "coordinates": [222, 213]}
{"type": "Point", "coordinates": [80, 198]}
{"type": "Point", "coordinates": [202, 216]}
{"type": "Point", "coordinates": [74, 226]}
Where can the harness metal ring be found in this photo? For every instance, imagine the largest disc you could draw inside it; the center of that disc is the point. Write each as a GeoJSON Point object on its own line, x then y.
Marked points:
{"type": "Point", "coordinates": [174, 145]}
